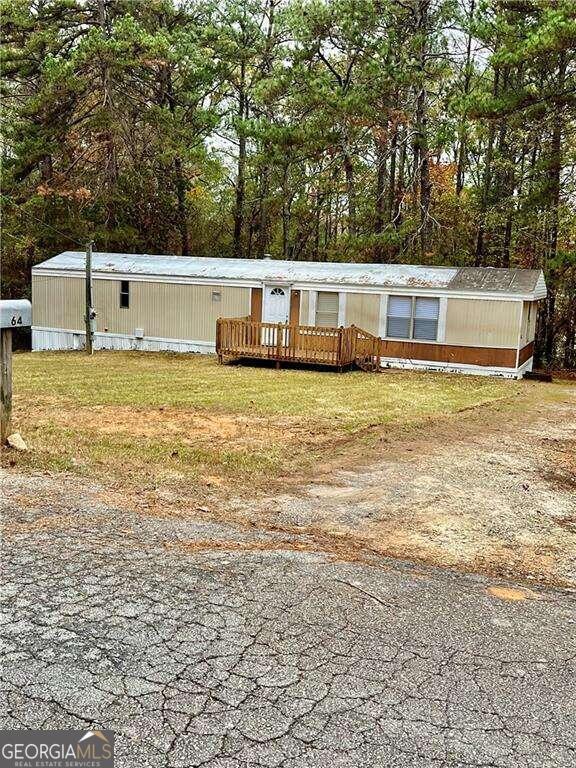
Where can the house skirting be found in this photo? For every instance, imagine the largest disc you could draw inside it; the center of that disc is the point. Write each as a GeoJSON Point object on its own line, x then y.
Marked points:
{"type": "Point", "coordinates": [58, 339]}
{"type": "Point", "coordinates": [478, 361]}
{"type": "Point", "coordinates": [475, 370]}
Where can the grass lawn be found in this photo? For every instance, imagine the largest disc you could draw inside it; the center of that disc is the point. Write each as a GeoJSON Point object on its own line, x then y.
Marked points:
{"type": "Point", "coordinates": [147, 418]}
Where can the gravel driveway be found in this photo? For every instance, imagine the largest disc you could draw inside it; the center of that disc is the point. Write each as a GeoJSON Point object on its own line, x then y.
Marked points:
{"type": "Point", "coordinates": [491, 490]}
{"type": "Point", "coordinates": [268, 655]}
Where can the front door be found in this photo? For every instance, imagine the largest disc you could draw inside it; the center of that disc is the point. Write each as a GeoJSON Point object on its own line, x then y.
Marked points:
{"type": "Point", "coordinates": [276, 309]}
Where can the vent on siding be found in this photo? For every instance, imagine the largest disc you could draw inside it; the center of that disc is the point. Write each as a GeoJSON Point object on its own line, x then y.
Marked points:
{"type": "Point", "coordinates": [327, 309]}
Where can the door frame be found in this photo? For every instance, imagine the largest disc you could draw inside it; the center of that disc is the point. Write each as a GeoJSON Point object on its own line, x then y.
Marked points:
{"type": "Point", "coordinates": [265, 288]}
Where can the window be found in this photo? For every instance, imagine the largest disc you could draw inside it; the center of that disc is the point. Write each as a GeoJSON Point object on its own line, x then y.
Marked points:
{"type": "Point", "coordinates": [216, 296]}
{"type": "Point", "coordinates": [412, 317]}
{"type": "Point", "coordinates": [277, 292]}
{"type": "Point", "coordinates": [124, 294]}
{"type": "Point", "coordinates": [426, 318]}
{"type": "Point", "coordinates": [399, 317]}
{"type": "Point", "coordinates": [327, 309]}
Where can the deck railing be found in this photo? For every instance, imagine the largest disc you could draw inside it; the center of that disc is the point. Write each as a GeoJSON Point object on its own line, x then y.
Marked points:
{"type": "Point", "coordinates": [338, 347]}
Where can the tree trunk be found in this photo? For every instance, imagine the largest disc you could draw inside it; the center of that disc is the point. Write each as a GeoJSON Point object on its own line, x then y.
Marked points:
{"type": "Point", "coordinates": [550, 335]}
{"type": "Point", "coordinates": [317, 219]}
{"type": "Point", "coordinates": [505, 180]}
{"type": "Point", "coordinates": [570, 340]}
{"type": "Point", "coordinates": [462, 131]}
{"type": "Point", "coordinates": [480, 256]}
{"type": "Point", "coordinates": [181, 187]}
{"type": "Point", "coordinates": [110, 158]}
{"type": "Point", "coordinates": [392, 175]}
{"type": "Point", "coordinates": [425, 185]}
{"type": "Point", "coordinates": [380, 202]}
{"type": "Point", "coordinates": [554, 172]}
{"type": "Point", "coordinates": [263, 227]}
{"type": "Point", "coordinates": [262, 240]}
{"type": "Point", "coordinates": [182, 207]}
{"type": "Point", "coordinates": [399, 191]}
{"type": "Point", "coordinates": [285, 213]}
{"type": "Point", "coordinates": [241, 170]}
{"type": "Point", "coordinates": [422, 184]}
{"type": "Point", "coordinates": [350, 193]}
{"type": "Point", "coordinates": [555, 165]}
{"type": "Point", "coordinates": [505, 259]}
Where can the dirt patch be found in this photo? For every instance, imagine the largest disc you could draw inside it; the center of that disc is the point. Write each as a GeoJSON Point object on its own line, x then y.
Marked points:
{"type": "Point", "coordinates": [569, 523]}
{"type": "Point", "coordinates": [561, 479]}
{"type": "Point", "coordinates": [511, 594]}
{"type": "Point", "coordinates": [187, 426]}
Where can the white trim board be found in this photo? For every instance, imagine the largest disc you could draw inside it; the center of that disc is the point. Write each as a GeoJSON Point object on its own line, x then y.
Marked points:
{"type": "Point", "coordinates": [383, 319]}
{"type": "Point", "coordinates": [442, 311]}
{"type": "Point", "coordinates": [341, 308]}
{"type": "Point", "coordinates": [312, 302]}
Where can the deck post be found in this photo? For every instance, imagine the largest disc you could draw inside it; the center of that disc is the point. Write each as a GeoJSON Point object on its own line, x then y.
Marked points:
{"type": "Point", "coordinates": [278, 345]}
{"type": "Point", "coordinates": [340, 333]}
{"type": "Point", "coordinates": [218, 339]}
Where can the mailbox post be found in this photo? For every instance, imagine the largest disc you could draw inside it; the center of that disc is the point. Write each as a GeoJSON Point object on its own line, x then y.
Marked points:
{"type": "Point", "coordinates": [14, 314]}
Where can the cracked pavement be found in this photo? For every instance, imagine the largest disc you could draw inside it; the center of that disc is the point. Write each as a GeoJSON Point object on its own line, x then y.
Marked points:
{"type": "Point", "coordinates": [272, 657]}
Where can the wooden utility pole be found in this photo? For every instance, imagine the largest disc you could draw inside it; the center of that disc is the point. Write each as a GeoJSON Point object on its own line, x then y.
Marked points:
{"type": "Point", "coordinates": [90, 314]}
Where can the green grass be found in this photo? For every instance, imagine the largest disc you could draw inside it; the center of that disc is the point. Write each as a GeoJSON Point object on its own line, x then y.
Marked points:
{"type": "Point", "coordinates": [104, 416]}
{"type": "Point", "coordinates": [198, 382]}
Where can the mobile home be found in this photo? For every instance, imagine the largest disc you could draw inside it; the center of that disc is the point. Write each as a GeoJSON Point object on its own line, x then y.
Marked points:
{"type": "Point", "coordinates": [464, 319]}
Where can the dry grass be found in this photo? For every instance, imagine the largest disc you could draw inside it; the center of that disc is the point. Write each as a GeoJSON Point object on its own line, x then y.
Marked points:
{"type": "Point", "coordinates": [147, 419]}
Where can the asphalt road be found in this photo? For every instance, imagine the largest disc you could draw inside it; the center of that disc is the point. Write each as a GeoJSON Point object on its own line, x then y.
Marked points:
{"type": "Point", "coordinates": [241, 658]}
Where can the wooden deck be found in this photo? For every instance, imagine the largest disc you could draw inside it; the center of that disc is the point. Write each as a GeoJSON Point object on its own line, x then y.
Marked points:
{"type": "Point", "coordinates": [238, 338]}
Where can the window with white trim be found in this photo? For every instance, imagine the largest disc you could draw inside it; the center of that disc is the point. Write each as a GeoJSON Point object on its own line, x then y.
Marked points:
{"type": "Point", "coordinates": [412, 317]}
{"type": "Point", "coordinates": [327, 305]}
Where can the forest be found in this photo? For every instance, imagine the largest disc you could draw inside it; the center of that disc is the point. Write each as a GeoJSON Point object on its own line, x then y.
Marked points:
{"type": "Point", "coordinates": [415, 131]}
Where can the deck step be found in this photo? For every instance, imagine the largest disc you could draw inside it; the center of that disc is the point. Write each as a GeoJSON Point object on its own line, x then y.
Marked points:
{"type": "Point", "coordinates": [370, 365]}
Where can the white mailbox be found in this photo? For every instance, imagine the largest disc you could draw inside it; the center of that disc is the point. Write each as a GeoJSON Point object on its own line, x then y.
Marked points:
{"type": "Point", "coordinates": [15, 313]}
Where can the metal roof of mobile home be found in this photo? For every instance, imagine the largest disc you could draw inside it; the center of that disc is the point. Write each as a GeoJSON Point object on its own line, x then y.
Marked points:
{"type": "Point", "coordinates": [479, 280]}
